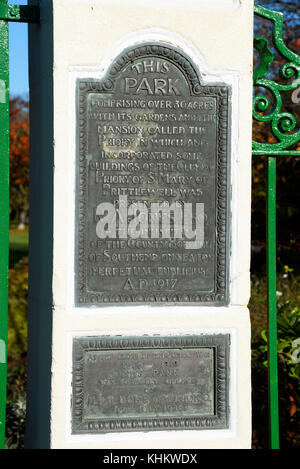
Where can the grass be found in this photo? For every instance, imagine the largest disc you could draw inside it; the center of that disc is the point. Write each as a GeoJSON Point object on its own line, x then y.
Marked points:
{"type": "Point", "coordinates": [18, 245]}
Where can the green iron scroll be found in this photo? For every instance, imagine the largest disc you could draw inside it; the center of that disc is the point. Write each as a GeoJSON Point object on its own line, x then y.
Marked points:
{"type": "Point", "coordinates": [283, 127]}
{"type": "Point", "coordinates": [283, 124]}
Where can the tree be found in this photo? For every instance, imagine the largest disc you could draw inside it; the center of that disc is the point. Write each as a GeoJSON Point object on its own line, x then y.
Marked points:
{"type": "Point", "coordinates": [19, 160]}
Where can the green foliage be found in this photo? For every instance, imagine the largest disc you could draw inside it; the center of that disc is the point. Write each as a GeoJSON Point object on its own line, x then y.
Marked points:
{"type": "Point", "coordinates": [17, 346]}
{"type": "Point", "coordinates": [288, 325]}
{"type": "Point", "coordinates": [17, 309]}
{"type": "Point", "coordinates": [15, 423]}
{"type": "Point", "coordinates": [288, 343]}
{"type": "Point", "coordinates": [16, 405]}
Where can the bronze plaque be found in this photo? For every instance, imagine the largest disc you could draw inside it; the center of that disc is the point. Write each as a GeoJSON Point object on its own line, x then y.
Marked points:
{"type": "Point", "coordinates": [149, 383]}
{"type": "Point", "coordinates": [152, 183]}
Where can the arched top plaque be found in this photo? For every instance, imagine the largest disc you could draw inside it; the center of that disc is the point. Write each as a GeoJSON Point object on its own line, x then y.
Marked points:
{"type": "Point", "coordinates": [152, 183]}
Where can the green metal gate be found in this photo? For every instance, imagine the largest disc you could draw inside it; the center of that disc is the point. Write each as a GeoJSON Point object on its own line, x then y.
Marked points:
{"type": "Point", "coordinates": [283, 128]}
{"type": "Point", "coordinates": [282, 125]}
{"type": "Point", "coordinates": [22, 14]}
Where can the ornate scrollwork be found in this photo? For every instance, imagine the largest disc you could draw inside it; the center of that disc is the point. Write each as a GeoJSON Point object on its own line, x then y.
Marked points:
{"type": "Point", "coordinates": [283, 124]}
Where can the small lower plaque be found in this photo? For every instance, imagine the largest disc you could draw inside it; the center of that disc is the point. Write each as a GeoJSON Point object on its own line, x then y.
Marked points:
{"type": "Point", "coordinates": [123, 384]}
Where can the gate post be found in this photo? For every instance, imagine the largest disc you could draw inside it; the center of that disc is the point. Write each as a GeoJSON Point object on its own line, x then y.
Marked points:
{"type": "Point", "coordinates": [146, 341]}
{"type": "Point", "coordinates": [4, 216]}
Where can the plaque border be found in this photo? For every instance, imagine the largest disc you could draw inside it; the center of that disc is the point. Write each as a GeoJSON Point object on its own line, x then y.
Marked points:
{"type": "Point", "coordinates": [220, 420]}
{"type": "Point", "coordinates": [222, 92]}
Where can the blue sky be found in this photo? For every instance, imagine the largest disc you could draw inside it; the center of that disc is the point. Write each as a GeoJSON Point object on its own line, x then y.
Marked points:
{"type": "Point", "coordinates": [18, 56]}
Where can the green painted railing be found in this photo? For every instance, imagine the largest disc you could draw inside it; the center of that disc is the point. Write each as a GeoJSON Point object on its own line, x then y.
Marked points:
{"type": "Point", "coordinates": [4, 216]}
{"type": "Point", "coordinates": [283, 125]}
{"type": "Point", "coordinates": [283, 128]}
{"type": "Point", "coordinates": [26, 14]}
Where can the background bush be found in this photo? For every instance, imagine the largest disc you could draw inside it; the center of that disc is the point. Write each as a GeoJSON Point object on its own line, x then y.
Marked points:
{"type": "Point", "coordinates": [288, 325]}
{"type": "Point", "coordinates": [17, 309]}
{"type": "Point", "coordinates": [17, 347]}
{"type": "Point", "coordinates": [16, 404]}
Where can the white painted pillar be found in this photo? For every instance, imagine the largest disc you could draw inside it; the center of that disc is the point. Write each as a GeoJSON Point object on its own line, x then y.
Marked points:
{"type": "Point", "coordinates": [88, 35]}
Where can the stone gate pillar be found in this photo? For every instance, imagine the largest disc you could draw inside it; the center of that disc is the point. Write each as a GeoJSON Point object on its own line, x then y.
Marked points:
{"type": "Point", "coordinates": [141, 124]}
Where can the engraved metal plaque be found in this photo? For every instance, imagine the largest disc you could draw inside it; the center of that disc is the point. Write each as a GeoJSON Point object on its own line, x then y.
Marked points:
{"type": "Point", "coordinates": [150, 383]}
{"type": "Point", "coordinates": [152, 145]}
